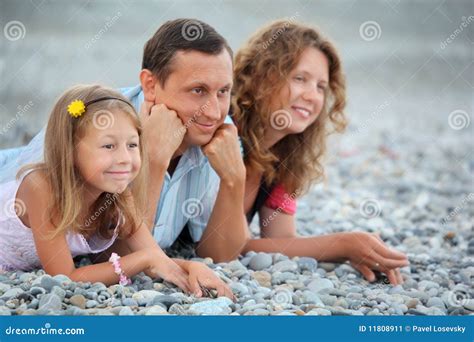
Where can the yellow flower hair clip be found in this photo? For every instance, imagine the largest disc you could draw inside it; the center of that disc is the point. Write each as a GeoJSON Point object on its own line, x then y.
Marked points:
{"type": "Point", "coordinates": [76, 108]}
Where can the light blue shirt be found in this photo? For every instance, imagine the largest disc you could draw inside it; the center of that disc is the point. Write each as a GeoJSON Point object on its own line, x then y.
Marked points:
{"type": "Point", "coordinates": [187, 197]}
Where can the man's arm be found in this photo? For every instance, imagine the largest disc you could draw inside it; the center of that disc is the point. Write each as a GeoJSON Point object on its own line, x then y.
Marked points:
{"type": "Point", "coordinates": [227, 230]}
{"type": "Point", "coordinates": [163, 132]}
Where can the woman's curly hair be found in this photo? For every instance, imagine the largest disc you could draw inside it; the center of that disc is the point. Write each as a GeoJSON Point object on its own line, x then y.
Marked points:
{"type": "Point", "coordinates": [261, 70]}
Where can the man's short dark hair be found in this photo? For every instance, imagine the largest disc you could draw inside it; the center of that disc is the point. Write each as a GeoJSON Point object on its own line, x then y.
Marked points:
{"type": "Point", "coordinates": [180, 35]}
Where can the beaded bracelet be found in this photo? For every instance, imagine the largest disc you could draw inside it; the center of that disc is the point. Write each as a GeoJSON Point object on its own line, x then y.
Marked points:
{"type": "Point", "coordinates": [123, 279]}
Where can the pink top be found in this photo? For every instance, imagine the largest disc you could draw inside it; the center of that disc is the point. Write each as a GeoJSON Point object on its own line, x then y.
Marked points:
{"type": "Point", "coordinates": [280, 199]}
{"type": "Point", "coordinates": [17, 247]}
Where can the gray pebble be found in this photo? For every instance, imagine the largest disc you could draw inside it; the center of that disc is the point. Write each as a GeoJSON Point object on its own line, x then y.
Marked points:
{"type": "Point", "coordinates": [319, 285]}
{"type": "Point", "coordinates": [260, 261]}
{"type": "Point", "coordinates": [50, 302]}
{"type": "Point", "coordinates": [307, 264]}
{"type": "Point", "coordinates": [285, 266]}
{"type": "Point", "coordinates": [166, 300]}
{"type": "Point", "coordinates": [219, 306]}
{"type": "Point", "coordinates": [47, 283]}
{"type": "Point", "coordinates": [126, 311]}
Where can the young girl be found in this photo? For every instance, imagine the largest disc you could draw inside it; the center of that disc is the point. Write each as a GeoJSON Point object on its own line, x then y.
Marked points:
{"type": "Point", "coordinates": [289, 94]}
{"type": "Point", "coordinates": [87, 193]}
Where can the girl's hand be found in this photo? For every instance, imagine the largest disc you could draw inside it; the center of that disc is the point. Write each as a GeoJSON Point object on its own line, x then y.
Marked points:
{"type": "Point", "coordinates": [367, 252]}
{"type": "Point", "coordinates": [201, 276]}
{"type": "Point", "coordinates": [160, 265]}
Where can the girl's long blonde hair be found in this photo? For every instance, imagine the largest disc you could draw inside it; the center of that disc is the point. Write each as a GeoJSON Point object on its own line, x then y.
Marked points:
{"type": "Point", "coordinates": [62, 135]}
{"type": "Point", "coordinates": [261, 70]}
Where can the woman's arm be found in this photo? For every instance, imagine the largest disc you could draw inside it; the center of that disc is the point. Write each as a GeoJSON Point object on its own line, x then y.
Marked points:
{"type": "Point", "coordinates": [276, 223]}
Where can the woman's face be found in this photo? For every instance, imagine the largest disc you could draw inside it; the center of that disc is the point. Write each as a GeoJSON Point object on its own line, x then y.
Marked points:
{"type": "Point", "coordinates": [300, 102]}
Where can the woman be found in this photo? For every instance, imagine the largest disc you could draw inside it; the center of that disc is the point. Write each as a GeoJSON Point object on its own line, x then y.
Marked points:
{"type": "Point", "coordinates": [289, 94]}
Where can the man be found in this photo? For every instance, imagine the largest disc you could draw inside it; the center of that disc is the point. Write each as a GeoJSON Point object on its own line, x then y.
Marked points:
{"type": "Point", "coordinates": [196, 172]}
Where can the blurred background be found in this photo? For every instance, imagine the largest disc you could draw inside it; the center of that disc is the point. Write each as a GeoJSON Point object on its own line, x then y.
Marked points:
{"type": "Point", "coordinates": [409, 64]}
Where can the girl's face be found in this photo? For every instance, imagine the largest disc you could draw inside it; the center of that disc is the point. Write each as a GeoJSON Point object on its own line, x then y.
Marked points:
{"type": "Point", "coordinates": [301, 101]}
{"type": "Point", "coordinates": [108, 156]}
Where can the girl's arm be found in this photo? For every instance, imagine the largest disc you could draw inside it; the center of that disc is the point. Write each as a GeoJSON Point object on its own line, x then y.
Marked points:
{"type": "Point", "coordinates": [54, 253]}
{"type": "Point", "coordinates": [193, 273]}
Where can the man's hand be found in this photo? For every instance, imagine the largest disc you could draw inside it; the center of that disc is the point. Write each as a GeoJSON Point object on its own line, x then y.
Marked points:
{"type": "Point", "coordinates": [223, 152]}
{"type": "Point", "coordinates": [163, 132]}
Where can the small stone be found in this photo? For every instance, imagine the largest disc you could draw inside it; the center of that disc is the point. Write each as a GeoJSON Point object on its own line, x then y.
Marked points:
{"type": "Point", "coordinates": [263, 278]}
{"type": "Point", "coordinates": [311, 298]}
{"type": "Point", "coordinates": [239, 289]}
{"type": "Point", "coordinates": [129, 302]}
{"type": "Point", "coordinates": [126, 311]}
{"type": "Point", "coordinates": [12, 293]}
{"type": "Point", "coordinates": [307, 264]}
{"type": "Point", "coordinates": [91, 304]}
{"type": "Point", "coordinates": [344, 270]}
{"type": "Point", "coordinates": [261, 312]}
{"type": "Point", "coordinates": [79, 301]}
{"type": "Point", "coordinates": [260, 261]}
{"type": "Point", "coordinates": [327, 266]}
{"type": "Point", "coordinates": [50, 302]}
{"type": "Point", "coordinates": [283, 277]}
{"type": "Point", "coordinates": [235, 265]}
{"type": "Point", "coordinates": [156, 310]}
{"type": "Point", "coordinates": [319, 312]}
{"type": "Point", "coordinates": [285, 266]}
{"type": "Point", "coordinates": [219, 306]}
{"type": "Point", "coordinates": [59, 292]}
{"type": "Point", "coordinates": [36, 290]}
{"type": "Point", "coordinates": [396, 289]}
{"type": "Point", "coordinates": [165, 300]}
{"type": "Point", "coordinates": [319, 285]}
{"type": "Point", "coordinates": [177, 309]}
{"type": "Point", "coordinates": [63, 279]}
{"type": "Point", "coordinates": [145, 296]}
{"type": "Point", "coordinates": [412, 303]}
{"type": "Point", "coordinates": [469, 304]}
{"type": "Point", "coordinates": [26, 277]}
{"type": "Point", "coordinates": [4, 311]}
{"type": "Point", "coordinates": [4, 288]}
{"type": "Point", "coordinates": [47, 283]}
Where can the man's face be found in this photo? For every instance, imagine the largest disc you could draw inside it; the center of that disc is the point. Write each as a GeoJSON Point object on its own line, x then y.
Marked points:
{"type": "Point", "coordinates": [198, 89]}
